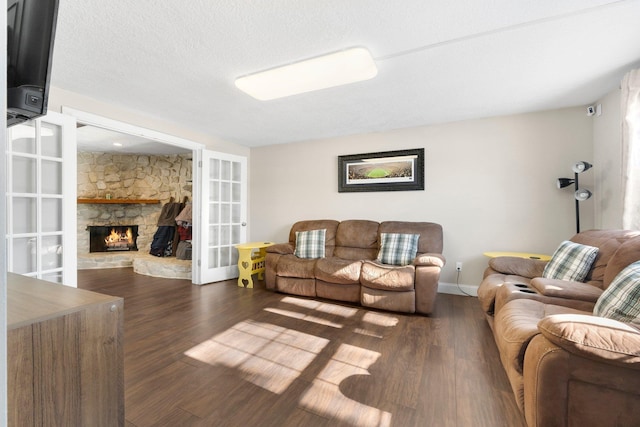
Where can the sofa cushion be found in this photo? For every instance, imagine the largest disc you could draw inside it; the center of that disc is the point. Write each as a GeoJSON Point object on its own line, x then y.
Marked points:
{"type": "Point", "coordinates": [571, 261]}
{"type": "Point", "coordinates": [397, 248]}
{"type": "Point", "coordinates": [517, 266]}
{"type": "Point", "coordinates": [357, 239]}
{"type": "Point", "coordinates": [566, 289]}
{"type": "Point", "coordinates": [310, 244]}
{"type": "Point", "coordinates": [621, 300]}
{"type": "Point", "coordinates": [338, 270]}
{"type": "Point", "coordinates": [387, 277]}
{"type": "Point", "coordinates": [292, 266]}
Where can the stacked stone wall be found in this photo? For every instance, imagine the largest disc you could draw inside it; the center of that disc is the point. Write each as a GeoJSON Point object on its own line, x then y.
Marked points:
{"type": "Point", "coordinates": [120, 176]}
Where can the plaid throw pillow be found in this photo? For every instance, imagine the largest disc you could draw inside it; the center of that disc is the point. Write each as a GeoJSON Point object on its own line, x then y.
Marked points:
{"type": "Point", "coordinates": [310, 244]}
{"type": "Point", "coordinates": [571, 261]}
{"type": "Point", "coordinates": [621, 300]}
{"type": "Point", "coordinates": [397, 249]}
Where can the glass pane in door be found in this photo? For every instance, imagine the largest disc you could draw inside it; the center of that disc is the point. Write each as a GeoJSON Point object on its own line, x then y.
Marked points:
{"type": "Point", "coordinates": [51, 145]}
{"type": "Point", "coordinates": [23, 176]}
{"type": "Point", "coordinates": [23, 138]}
{"type": "Point", "coordinates": [51, 177]}
{"type": "Point", "coordinates": [24, 215]}
{"type": "Point", "coordinates": [51, 215]}
{"type": "Point", "coordinates": [25, 263]}
{"type": "Point", "coordinates": [51, 252]}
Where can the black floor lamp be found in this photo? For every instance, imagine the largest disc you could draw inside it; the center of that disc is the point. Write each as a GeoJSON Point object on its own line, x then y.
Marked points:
{"type": "Point", "coordinates": [580, 194]}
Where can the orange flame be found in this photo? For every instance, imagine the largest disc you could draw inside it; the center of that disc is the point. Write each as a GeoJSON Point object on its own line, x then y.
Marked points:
{"type": "Point", "coordinates": [115, 237]}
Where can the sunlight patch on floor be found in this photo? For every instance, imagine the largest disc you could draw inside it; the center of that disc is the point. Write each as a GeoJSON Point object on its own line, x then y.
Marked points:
{"type": "Point", "coordinates": [305, 317]}
{"type": "Point", "coordinates": [325, 398]}
{"type": "Point", "coordinates": [368, 333]}
{"type": "Point", "coordinates": [378, 321]}
{"type": "Point", "coordinates": [266, 355]}
{"type": "Point", "coordinates": [323, 307]}
{"type": "Point", "coordinates": [273, 357]}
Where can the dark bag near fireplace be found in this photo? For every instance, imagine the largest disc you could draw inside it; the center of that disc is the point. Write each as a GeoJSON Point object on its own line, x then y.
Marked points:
{"type": "Point", "coordinates": [162, 244]}
{"type": "Point", "coordinates": [162, 240]}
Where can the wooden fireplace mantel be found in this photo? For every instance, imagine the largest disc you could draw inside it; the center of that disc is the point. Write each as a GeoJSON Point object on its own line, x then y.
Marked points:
{"type": "Point", "coordinates": [118, 201]}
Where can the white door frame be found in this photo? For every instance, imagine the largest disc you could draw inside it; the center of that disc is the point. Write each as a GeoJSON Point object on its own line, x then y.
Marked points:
{"type": "Point", "coordinates": [234, 220]}
{"type": "Point", "coordinates": [65, 272]}
{"type": "Point", "coordinates": [102, 122]}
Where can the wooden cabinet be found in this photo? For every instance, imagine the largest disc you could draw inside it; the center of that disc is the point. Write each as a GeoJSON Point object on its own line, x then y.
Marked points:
{"type": "Point", "coordinates": [64, 355]}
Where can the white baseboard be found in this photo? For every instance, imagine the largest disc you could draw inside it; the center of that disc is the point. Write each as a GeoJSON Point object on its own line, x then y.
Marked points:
{"type": "Point", "coordinates": [452, 288]}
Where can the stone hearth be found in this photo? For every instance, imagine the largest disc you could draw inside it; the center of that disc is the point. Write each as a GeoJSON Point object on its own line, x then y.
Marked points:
{"type": "Point", "coordinates": [142, 263]}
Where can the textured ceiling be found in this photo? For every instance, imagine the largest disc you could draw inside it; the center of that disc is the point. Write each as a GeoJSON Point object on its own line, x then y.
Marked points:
{"type": "Point", "coordinates": [438, 61]}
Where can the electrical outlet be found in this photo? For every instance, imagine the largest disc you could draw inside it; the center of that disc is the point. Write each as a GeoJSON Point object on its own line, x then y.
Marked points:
{"type": "Point", "coordinates": [459, 266]}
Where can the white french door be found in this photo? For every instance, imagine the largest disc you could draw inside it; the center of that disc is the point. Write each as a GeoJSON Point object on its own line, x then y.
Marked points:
{"type": "Point", "coordinates": [223, 220]}
{"type": "Point", "coordinates": [41, 199]}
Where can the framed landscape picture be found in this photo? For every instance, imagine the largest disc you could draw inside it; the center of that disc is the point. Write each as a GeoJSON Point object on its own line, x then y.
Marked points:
{"type": "Point", "coordinates": [401, 170]}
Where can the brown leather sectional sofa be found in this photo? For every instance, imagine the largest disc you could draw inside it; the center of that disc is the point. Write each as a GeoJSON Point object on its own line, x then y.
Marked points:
{"type": "Point", "coordinates": [349, 271]}
{"type": "Point", "coordinates": [566, 366]}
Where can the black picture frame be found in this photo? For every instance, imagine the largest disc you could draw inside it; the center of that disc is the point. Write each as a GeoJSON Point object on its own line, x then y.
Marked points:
{"type": "Point", "coordinates": [400, 170]}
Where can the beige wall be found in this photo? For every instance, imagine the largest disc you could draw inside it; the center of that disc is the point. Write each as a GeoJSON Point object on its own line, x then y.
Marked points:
{"type": "Point", "coordinates": [607, 161]}
{"type": "Point", "coordinates": [490, 183]}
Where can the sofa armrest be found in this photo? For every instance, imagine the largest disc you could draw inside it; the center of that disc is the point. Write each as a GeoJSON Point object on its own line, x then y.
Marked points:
{"type": "Point", "coordinates": [429, 260]}
{"type": "Point", "coordinates": [566, 289]}
{"type": "Point", "coordinates": [595, 338]}
{"type": "Point", "coordinates": [280, 248]}
{"type": "Point", "coordinates": [524, 267]}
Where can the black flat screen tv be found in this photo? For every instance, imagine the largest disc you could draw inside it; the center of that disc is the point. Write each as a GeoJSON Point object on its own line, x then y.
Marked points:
{"type": "Point", "coordinates": [31, 27]}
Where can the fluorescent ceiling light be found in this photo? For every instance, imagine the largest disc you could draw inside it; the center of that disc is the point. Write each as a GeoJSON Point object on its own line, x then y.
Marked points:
{"type": "Point", "coordinates": [335, 69]}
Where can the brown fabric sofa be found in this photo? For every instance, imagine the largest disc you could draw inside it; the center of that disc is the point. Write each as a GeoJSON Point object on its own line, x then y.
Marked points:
{"type": "Point", "coordinates": [349, 272]}
{"type": "Point", "coordinates": [566, 367]}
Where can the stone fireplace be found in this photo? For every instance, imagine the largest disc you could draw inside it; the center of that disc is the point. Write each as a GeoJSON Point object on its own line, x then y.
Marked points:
{"type": "Point", "coordinates": [114, 185]}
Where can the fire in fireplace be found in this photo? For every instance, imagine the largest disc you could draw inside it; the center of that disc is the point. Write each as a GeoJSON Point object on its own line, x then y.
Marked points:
{"type": "Point", "coordinates": [107, 238]}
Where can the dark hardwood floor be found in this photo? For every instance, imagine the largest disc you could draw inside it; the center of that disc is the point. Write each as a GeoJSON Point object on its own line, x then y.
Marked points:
{"type": "Point", "coordinates": [220, 355]}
